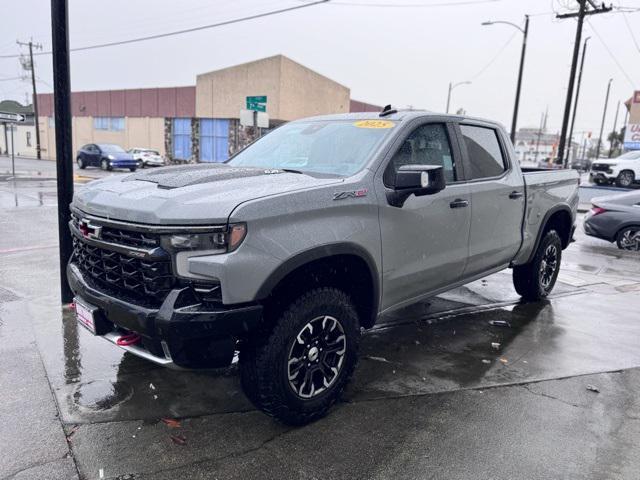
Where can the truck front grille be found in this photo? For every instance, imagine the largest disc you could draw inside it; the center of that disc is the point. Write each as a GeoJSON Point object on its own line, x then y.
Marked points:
{"type": "Point", "coordinates": [146, 281]}
{"type": "Point", "coordinates": [600, 167]}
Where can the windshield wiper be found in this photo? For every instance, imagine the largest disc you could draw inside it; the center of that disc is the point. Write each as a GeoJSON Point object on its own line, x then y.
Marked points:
{"type": "Point", "coordinates": [291, 170]}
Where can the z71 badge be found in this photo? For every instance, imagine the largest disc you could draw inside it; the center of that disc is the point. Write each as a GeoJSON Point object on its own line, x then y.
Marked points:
{"type": "Point", "coordinates": [351, 194]}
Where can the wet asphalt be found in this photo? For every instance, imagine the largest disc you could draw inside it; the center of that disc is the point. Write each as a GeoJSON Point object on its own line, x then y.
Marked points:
{"type": "Point", "coordinates": [440, 392]}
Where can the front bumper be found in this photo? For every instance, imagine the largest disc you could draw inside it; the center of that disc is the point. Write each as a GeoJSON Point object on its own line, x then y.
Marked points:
{"type": "Point", "coordinates": [601, 175]}
{"type": "Point", "coordinates": [181, 333]}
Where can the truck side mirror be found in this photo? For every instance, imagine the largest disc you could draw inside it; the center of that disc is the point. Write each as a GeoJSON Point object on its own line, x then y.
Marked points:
{"type": "Point", "coordinates": [418, 180]}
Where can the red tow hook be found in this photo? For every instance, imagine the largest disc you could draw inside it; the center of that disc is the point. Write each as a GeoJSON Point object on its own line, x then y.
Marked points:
{"type": "Point", "coordinates": [128, 340]}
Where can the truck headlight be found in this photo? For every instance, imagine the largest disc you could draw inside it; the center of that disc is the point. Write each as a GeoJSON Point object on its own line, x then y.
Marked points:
{"type": "Point", "coordinates": [216, 242]}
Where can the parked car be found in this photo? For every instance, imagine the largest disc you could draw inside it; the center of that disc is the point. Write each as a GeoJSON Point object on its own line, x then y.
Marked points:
{"type": "Point", "coordinates": [616, 218]}
{"type": "Point", "coordinates": [623, 170]}
{"type": "Point", "coordinates": [106, 156]}
{"type": "Point", "coordinates": [304, 237]}
{"type": "Point", "coordinates": [147, 157]}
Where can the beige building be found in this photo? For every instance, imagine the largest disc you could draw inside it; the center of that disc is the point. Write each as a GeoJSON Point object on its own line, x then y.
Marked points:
{"type": "Point", "coordinates": [199, 123]}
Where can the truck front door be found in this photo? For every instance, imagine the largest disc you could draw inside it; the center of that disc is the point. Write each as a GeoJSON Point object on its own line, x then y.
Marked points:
{"type": "Point", "coordinates": [424, 242]}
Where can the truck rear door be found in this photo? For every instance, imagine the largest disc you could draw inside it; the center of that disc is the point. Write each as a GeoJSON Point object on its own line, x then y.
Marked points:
{"type": "Point", "coordinates": [497, 198]}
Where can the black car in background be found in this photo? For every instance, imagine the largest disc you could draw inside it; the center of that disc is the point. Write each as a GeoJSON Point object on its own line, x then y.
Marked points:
{"type": "Point", "coordinates": [616, 219]}
{"type": "Point", "coordinates": [106, 156]}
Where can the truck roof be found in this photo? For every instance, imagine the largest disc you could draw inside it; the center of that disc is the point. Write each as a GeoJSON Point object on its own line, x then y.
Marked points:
{"type": "Point", "coordinates": [400, 115]}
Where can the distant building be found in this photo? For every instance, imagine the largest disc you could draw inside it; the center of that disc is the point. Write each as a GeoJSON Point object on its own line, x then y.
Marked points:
{"type": "Point", "coordinates": [199, 123]}
{"type": "Point", "coordinates": [632, 127]}
{"type": "Point", "coordinates": [24, 133]}
{"type": "Point", "coordinates": [536, 145]}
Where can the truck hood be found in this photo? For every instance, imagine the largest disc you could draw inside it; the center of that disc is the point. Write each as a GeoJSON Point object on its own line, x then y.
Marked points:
{"type": "Point", "coordinates": [606, 161]}
{"type": "Point", "coordinates": [187, 195]}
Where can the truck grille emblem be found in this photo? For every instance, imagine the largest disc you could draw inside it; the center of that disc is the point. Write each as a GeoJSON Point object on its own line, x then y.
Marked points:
{"type": "Point", "coordinates": [88, 230]}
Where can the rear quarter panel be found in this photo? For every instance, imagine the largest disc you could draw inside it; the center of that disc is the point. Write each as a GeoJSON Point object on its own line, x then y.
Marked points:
{"type": "Point", "coordinates": [546, 192]}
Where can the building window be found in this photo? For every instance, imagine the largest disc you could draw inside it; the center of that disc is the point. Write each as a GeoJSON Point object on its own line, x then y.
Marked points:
{"type": "Point", "coordinates": [214, 140]}
{"type": "Point", "coordinates": [114, 124]}
{"type": "Point", "coordinates": [28, 139]}
{"type": "Point", "coordinates": [181, 128]}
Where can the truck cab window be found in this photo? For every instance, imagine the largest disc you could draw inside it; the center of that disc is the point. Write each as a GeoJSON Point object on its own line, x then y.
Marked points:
{"type": "Point", "coordinates": [426, 145]}
{"type": "Point", "coordinates": [483, 149]}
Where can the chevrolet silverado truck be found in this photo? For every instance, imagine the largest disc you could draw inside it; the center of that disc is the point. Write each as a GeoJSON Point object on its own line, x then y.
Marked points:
{"type": "Point", "coordinates": [286, 252]}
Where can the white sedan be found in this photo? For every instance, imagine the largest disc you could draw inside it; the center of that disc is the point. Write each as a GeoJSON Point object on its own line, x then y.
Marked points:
{"type": "Point", "coordinates": [147, 157]}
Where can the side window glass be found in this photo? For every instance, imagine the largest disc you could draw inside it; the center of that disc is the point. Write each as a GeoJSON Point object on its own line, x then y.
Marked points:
{"type": "Point", "coordinates": [426, 145]}
{"type": "Point", "coordinates": [483, 148]}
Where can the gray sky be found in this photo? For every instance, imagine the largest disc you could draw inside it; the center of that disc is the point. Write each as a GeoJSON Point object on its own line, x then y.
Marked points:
{"type": "Point", "coordinates": [401, 54]}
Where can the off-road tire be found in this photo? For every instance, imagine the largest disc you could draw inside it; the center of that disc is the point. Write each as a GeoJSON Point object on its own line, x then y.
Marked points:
{"type": "Point", "coordinates": [264, 358]}
{"type": "Point", "coordinates": [625, 179]}
{"type": "Point", "coordinates": [527, 278]}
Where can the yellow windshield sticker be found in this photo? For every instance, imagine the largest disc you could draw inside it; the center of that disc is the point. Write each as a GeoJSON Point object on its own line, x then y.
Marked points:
{"type": "Point", "coordinates": [374, 124]}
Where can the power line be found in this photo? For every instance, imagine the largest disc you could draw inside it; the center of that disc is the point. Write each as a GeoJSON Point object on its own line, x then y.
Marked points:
{"type": "Point", "coordinates": [496, 56]}
{"type": "Point", "coordinates": [613, 57]}
{"type": "Point", "coordinates": [416, 5]}
{"type": "Point", "coordinates": [186, 30]}
{"type": "Point", "coordinates": [633, 36]}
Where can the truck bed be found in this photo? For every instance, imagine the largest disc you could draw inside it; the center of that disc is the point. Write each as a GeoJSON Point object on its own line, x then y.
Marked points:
{"type": "Point", "coordinates": [545, 190]}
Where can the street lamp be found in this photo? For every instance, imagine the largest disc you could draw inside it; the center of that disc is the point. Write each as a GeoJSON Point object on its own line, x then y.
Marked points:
{"type": "Point", "coordinates": [524, 32]}
{"type": "Point", "coordinates": [451, 87]}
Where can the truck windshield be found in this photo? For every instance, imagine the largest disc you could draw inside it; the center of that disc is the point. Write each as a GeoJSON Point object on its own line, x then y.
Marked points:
{"type": "Point", "coordinates": [332, 147]}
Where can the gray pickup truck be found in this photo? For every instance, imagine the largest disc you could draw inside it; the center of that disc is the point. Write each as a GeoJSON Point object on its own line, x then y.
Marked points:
{"type": "Point", "coordinates": [292, 247]}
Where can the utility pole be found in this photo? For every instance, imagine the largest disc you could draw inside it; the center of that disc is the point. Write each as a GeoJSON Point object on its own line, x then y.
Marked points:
{"type": "Point", "coordinates": [32, 67]}
{"type": "Point", "coordinates": [64, 153]}
{"type": "Point", "coordinates": [575, 102]}
{"type": "Point", "coordinates": [604, 115]}
{"type": "Point", "coordinates": [614, 144]}
{"type": "Point", "coordinates": [542, 122]}
{"type": "Point", "coordinates": [580, 14]}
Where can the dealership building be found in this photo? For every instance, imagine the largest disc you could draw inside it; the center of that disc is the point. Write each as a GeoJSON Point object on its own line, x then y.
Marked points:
{"type": "Point", "coordinates": [199, 123]}
{"type": "Point", "coordinates": [632, 127]}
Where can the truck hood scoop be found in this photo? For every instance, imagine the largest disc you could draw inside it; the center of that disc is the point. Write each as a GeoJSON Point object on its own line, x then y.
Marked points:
{"type": "Point", "coordinates": [186, 175]}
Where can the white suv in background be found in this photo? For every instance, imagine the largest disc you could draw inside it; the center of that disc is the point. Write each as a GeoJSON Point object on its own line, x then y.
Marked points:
{"type": "Point", "coordinates": [147, 157]}
{"type": "Point", "coordinates": [623, 170]}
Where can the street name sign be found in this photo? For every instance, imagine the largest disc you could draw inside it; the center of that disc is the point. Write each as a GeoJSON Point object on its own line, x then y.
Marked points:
{"type": "Point", "coordinates": [257, 103]}
{"type": "Point", "coordinates": [11, 117]}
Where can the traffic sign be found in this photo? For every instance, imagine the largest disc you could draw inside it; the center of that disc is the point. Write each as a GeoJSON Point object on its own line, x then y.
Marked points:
{"type": "Point", "coordinates": [257, 103]}
{"type": "Point", "coordinates": [11, 117]}
{"type": "Point", "coordinates": [256, 107]}
{"type": "Point", "coordinates": [257, 99]}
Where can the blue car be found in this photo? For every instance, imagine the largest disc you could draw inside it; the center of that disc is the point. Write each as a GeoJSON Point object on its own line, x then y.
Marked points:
{"type": "Point", "coordinates": [106, 156]}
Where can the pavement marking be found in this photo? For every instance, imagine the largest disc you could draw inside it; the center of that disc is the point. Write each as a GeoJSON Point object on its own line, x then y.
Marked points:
{"type": "Point", "coordinates": [26, 249]}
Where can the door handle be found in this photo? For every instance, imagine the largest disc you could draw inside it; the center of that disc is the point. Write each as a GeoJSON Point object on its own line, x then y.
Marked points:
{"type": "Point", "coordinates": [459, 203]}
{"type": "Point", "coordinates": [515, 194]}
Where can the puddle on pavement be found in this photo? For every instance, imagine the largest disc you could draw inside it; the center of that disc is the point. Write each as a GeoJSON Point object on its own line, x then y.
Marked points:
{"type": "Point", "coordinates": [102, 395]}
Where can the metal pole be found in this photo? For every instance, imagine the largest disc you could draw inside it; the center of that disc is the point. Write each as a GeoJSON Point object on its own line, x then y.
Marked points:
{"type": "Point", "coordinates": [448, 98]}
{"type": "Point", "coordinates": [604, 115]}
{"type": "Point", "coordinates": [517, 103]}
{"type": "Point", "coordinates": [64, 154]}
{"type": "Point", "coordinates": [614, 143]}
{"type": "Point", "coordinates": [572, 74]}
{"type": "Point", "coordinates": [575, 102]}
{"type": "Point", "coordinates": [35, 101]}
{"type": "Point", "coordinates": [13, 159]}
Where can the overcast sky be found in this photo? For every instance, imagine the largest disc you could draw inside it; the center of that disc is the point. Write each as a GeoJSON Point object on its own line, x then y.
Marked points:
{"type": "Point", "coordinates": [395, 53]}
